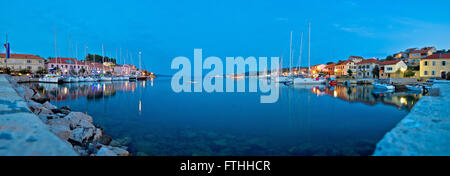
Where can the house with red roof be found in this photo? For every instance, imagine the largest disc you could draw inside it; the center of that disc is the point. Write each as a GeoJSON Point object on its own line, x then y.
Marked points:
{"type": "Point", "coordinates": [19, 62]}
{"type": "Point", "coordinates": [364, 69]}
{"type": "Point", "coordinates": [66, 66]}
{"type": "Point", "coordinates": [329, 69]}
{"type": "Point", "coordinates": [416, 55]}
{"type": "Point", "coordinates": [435, 66]}
{"type": "Point", "coordinates": [392, 69]}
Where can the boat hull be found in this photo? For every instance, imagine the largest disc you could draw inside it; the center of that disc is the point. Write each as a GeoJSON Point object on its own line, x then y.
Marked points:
{"type": "Point", "coordinates": [308, 81]}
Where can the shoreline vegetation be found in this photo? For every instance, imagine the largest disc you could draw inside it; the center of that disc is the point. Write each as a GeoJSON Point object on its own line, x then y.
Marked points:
{"type": "Point", "coordinates": [75, 128]}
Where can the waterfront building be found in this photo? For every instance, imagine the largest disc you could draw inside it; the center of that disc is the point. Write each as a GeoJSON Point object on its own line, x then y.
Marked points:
{"type": "Point", "coordinates": [329, 69]}
{"type": "Point", "coordinates": [392, 69]}
{"type": "Point", "coordinates": [123, 69]}
{"type": "Point", "coordinates": [317, 68]}
{"type": "Point", "coordinates": [19, 62]}
{"type": "Point", "coordinates": [66, 66]}
{"type": "Point", "coordinates": [435, 66]}
{"type": "Point", "coordinates": [341, 69]}
{"type": "Point", "coordinates": [416, 55]}
{"type": "Point", "coordinates": [364, 69]}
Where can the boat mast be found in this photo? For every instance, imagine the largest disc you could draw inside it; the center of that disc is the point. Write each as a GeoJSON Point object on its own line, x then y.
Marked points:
{"type": "Point", "coordinates": [56, 53]}
{"type": "Point", "coordinates": [103, 59]}
{"type": "Point", "coordinates": [309, 48]}
{"type": "Point", "coordinates": [140, 68]}
{"type": "Point", "coordinates": [290, 56]}
{"type": "Point", "coordinates": [300, 57]}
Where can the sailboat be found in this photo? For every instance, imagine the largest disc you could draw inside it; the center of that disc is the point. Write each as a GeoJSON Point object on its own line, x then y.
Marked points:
{"type": "Point", "coordinates": [283, 78]}
{"type": "Point", "coordinates": [103, 77]}
{"type": "Point", "coordinates": [53, 78]}
{"type": "Point", "coordinates": [307, 80]}
{"type": "Point", "coordinates": [139, 75]}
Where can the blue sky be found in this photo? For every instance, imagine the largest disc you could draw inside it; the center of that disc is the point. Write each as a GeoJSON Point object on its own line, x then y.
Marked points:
{"type": "Point", "coordinates": [165, 29]}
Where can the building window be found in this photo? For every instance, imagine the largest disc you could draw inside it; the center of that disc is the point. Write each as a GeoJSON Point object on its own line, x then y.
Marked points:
{"type": "Point", "coordinates": [444, 63]}
{"type": "Point", "coordinates": [389, 68]}
{"type": "Point", "coordinates": [28, 61]}
{"type": "Point", "coordinates": [434, 63]}
{"type": "Point", "coordinates": [433, 73]}
{"type": "Point", "coordinates": [425, 72]}
{"type": "Point", "coordinates": [40, 61]}
{"type": "Point", "coordinates": [52, 66]}
{"type": "Point", "coordinates": [425, 63]}
{"type": "Point", "coordinates": [29, 67]}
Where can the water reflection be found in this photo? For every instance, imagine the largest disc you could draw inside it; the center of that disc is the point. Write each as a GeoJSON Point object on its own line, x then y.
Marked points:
{"type": "Point", "coordinates": [150, 119]}
{"type": "Point", "coordinates": [366, 94]}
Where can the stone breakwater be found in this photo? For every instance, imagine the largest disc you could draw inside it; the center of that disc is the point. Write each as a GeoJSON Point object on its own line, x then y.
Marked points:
{"type": "Point", "coordinates": [424, 131]}
{"type": "Point", "coordinates": [75, 128]}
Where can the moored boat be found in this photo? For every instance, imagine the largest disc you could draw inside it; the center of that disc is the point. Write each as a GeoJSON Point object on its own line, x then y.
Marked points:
{"type": "Point", "coordinates": [383, 86]}
{"type": "Point", "coordinates": [418, 88]}
{"type": "Point", "coordinates": [105, 78]}
{"type": "Point", "coordinates": [51, 78]}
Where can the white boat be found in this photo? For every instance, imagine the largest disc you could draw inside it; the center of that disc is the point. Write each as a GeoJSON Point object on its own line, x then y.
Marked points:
{"type": "Point", "coordinates": [305, 80]}
{"type": "Point", "coordinates": [383, 86]}
{"type": "Point", "coordinates": [104, 78]}
{"type": "Point", "coordinates": [71, 79]}
{"type": "Point", "coordinates": [116, 78]}
{"type": "Point", "coordinates": [125, 78]}
{"type": "Point", "coordinates": [91, 79]}
{"type": "Point", "coordinates": [282, 79]}
{"type": "Point", "coordinates": [51, 78]}
{"type": "Point", "coordinates": [418, 88]}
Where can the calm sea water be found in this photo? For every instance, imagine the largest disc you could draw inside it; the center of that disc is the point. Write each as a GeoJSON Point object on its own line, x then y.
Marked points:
{"type": "Point", "coordinates": [150, 119]}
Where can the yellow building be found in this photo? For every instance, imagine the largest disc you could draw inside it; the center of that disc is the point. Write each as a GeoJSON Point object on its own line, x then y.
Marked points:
{"type": "Point", "coordinates": [416, 55]}
{"type": "Point", "coordinates": [435, 66]}
{"type": "Point", "coordinates": [19, 62]}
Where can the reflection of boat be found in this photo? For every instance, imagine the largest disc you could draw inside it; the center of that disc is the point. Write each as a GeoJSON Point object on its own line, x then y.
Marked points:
{"type": "Point", "coordinates": [418, 88]}
{"type": "Point", "coordinates": [306, 80]}
{"type": "Point", "coordinates": [51, 78]}
{"type": "Point", "coordinates": [383, 86]}
{"type": "Point", "coordinates": [383, 91]}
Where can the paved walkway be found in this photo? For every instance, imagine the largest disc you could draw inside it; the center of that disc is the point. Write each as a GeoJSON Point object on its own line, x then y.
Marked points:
{"type": "Point", "coordinates": [21, 132]}
{"type": "Point", "coordinates": [425, 131]}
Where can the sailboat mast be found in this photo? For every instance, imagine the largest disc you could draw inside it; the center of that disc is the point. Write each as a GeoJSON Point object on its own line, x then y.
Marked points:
{"type": "Point", "coordinates": [103, 59]}
{"type": "Point", "coordinates": [290, 55]}
{"type": "Point", "coordinates": [300, 57]}
{"type": "Point", "coordinates": [140, 68]}
{"type": "Point", "coordinates": [56, 53]}
{"type": "Point", "coordinates": [309, 48]}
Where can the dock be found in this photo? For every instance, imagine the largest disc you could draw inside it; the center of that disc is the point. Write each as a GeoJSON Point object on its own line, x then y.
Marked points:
{"type": "Point", "coordinates": [424, 131]}
{"type": "Point", "coordinates": [22, 133]}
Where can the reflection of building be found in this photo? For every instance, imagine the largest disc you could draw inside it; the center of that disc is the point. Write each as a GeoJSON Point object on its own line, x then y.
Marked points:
{"type": "Point", "coordinates": [19, 62]}
{"type": "Point", "coordinates": [88, 90]}
{"type": "Point", "coordinates": [364, 94]}
{"type": "Point", "coordinates": [365, 68]}
{"type": "Point", "coordinates": [392, 69]}
{"type": "Point", "coordinates": [435, 66]}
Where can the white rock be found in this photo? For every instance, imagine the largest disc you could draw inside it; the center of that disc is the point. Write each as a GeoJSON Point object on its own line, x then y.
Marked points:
{"type": "Point", "coordinates": [81, 135]}
{"type": "Point", "coordinates": [48, 105]}
{"type": "Point", "coordinates": [104, 151]}
{"type": "Point", "coordinates": [79, 119]}
{"type": "Point", "coordinates": [60, 127]}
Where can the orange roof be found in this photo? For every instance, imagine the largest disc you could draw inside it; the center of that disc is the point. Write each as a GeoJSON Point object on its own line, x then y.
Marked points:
{"type": "Point", "coordinates": [368, 61]}
{"type": "Point", "coordinates": [389, 62]}
{"type": "Point", "coordinates": [438, 56]}
{"type": "Point", "coordinates": [25, 56]}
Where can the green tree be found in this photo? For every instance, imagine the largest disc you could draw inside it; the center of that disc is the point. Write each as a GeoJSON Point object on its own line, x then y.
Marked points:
{"type": "Point", "coordinates": [350, 72]}
{"type": "Point", "coordinates": [376, 72]}
{"type": "Point", "coordinates": [82, 71]}
{"type": "Point", "coordinates": [408, 73]}
{"type": "Point", "coordinates": [448, 75]}
{"type": "Point", "coordinates": [389, 58]}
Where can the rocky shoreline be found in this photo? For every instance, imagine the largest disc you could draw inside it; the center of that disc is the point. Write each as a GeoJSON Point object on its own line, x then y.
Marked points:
{"type": "Point", "coordinates": [75, 128]}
